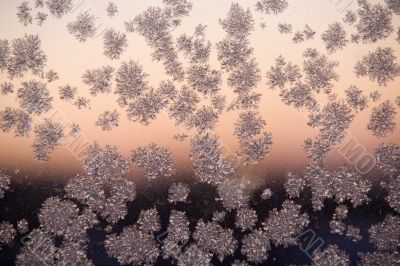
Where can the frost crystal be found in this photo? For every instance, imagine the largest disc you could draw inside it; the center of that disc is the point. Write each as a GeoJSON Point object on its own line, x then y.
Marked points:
{"type": "Point", "coordinates": [178, 192]}
{"type": "Point", "coordinates": [255, 246]}
{"type": "Point", "coordinates": [353, 233]}
{"type": "Point", "coordinates": [393, 197]}
{"type": "Point", "coordinates": [57, 215]}
{"type": "Point", "coordinates": [83, 27]}
{"type": "Point", "coordinates": [350, 17]}
{"type": "Point", "coordinates": [99, 79]}
{"type": "Point", "coordinates": [375, 22]}
{"type": "Point", "coordinates": [285, 28]}
{"type": "Point", "coordinates": [22, 226]}
{"type": "Point", "coordinates": [334, 37]}
{"type": "Point", "coordinates": [108, 120]}
{"type": "Point", "coordinates": [211, 237]}
{"type": "Point", "coordinates": [48, 136]}
{"type": "Point", "coordinates": [34, 97]}
{"type": "Point", "coordinates": [249, 124]}
{"type": "Point", "coordinates": [24, 13]}
{"type": "Point", "coordinates": [294, 185]}
{"type": "Point", "coordinates": [4, 54]}
{"type": "Point", "coordinates": [332, 255]}
{"type": "Point", "coordinates": [308, 32]}
{"type": "Point", "coordinates": [317, 149]}
{"type": "Point", "coordinates": [382, 119]}
{"type": "Point", "coordinates": [234, 193]}
{"type": "Point", "coordinates": [112, 9]}
{"type": "Point", "coordinates": [74, 130]}
{"type": "Point", "coordinates": [271, 6]}
{"type": "Point", "coordinates": [379, 65]}
{"type": "Point", "coordinates": [7, 233]}
{"type": "Point", "coordinates": [59, 8]}
{"type": "Point", "coordinates": [156, 161]}
{"type": "Point", "coordinates": [184, 105]}
{"type": "Point", "coordinates": [320, 72]}
{"type": "Point", "coordinates": [385, 235]}
{"type": "Point", "coordinates": [178, 234]}
{"type": "Point", "coordinates": [335, 118]}
{"type": "Point", "coordinates": [375, 96]}
{"type": "Point", "coordinates": [26, 55]}
{"type": "Point", "coordinates": [104, 162]}
{"type": "Point", "coordinates": [18, 120]}
{"type": "Point", "coordinates": [51, 76]}
{"type": "Point", "coordinates": [132, 246]}
{"type": "Point", "coordinates": [82, 102]}
{"type": "Point", "coordinates": [246, 219]}
{"type": "Point", "coordinates": [298, 37]}
{"type": "Point", "coordinates": [149, 221]}
{"type": "Point", "coordinates": [5, 181]}
{"type": "Point", "coordinates": [209, 165]}
{"type": "Point", "coordinates": [388, 159]}
{"type": "Point", "coordinates": [67, 92]}
{"type": "Point", "coordinates": [204, 79]}
{"type": "Point", "coordinates": [355, 98]}
{"type": "Point", "coordinates": [130, 81]}
{"type": "Point", "coordinates": [284, 225]}
{"type": "Point", "coordinates": [114, 43]}
{"type": "Point", "coordinates": [40, 18]}
{"type": "Point", "coordinates": [266, 194]}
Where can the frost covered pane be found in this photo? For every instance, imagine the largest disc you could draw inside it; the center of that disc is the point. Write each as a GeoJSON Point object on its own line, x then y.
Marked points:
{"type": "Point", "coordinates": [374, 21]}
{"type": "Point", "coordinates": [98, 79]}
{"type": "Point", "coordinates": [59, 8]}
{"type": "Point", "coordinates": [209, 165]}
{"type": "Point", "coordinates": [24, 13]}
{"type": "Point", "coordinates": [16, 119]}
{"type": "Point", "coordinates": [34, 97]}
{"type": "Point", "coordinates": [388, 159]}
{"type": "Point", "coordinates": [67, 92]}
{"type": "Point", "coordinates": [379, 65]}
{"type": "Point", "coordinates": [26, 54]}
{"type": "Point", "coordinates": [5, 181]}
{"type": "Point", "coordinates": [112, 9]}
{"type": "Point", "coordinates": [108, 120]}
{"type": "Point", "coordinates": [334, 37]}
{"type": "Point", "coordinates": [271, 6]}
{"type": "Point", "coordinates": [114, 43]}
{"type": "Point", "coordinates": [156, 161]}
{"type": "Point", "coordinates": [48, 135]}
{"type": "Point", "coordinates": [83, 27]}
{"type": "Point", "coordinates": [382, 119]}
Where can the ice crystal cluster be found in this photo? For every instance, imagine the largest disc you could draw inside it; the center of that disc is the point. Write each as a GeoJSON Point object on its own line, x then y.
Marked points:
{"type": "Point", "coordinates": [222, 216]}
